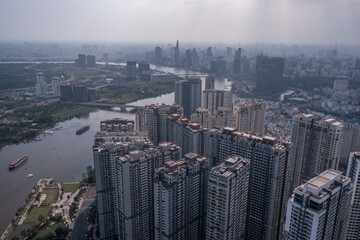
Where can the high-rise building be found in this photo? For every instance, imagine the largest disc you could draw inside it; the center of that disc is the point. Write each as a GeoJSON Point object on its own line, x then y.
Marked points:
{"type": "Point", "coordinates": [180, 189]}
{"type": "Point", "coordinates": [158, 56]}
{"type": "Point", "coordinates": [250, 118]}
{"type": "Point", "coordinates": [340, 85]}
{"type": "Point", "coordinates": [357, 64]}
{"type": "Point", "coordinates": [124, 171]}
{"type": "Point", "coordinates": [218, 66]}
{"type": "Point", "coordinates": [144, 72]}
{"type": "Point", "coordinates": [188, 95]}
{"type": "Point", "coordinates": [227, 199]}
{"type": "Point", "coordinates": [212, 99]}
{"type": "Point", "coordinates": [188, 59]}
{"type": "Point", "coordinates": [269, 73]}
{"type": "Point", "coordinates": [90, 61]}
{"type": "Point", "coordinates": [195, 59]}
{"type": "Point", "coordinates": [152, 119]}
{"type": "Point", "coordinates": [41, 88]}
{"type": "Point", "coordinates": [351, 141]}
{"type": "Point", "coordinates": [353, 172]}
{"type": "Point", "coordinates": [269, 176]}
{"type": "Point", "coordinates": [131, 70]}
{"type": "Point", "coordinates": [209, 52]}
{"type": "Point", "coordinates": [56, 85]}
{"type": "Point", "coordinates": [221, 118]}
{"type": "Point", "coordinates": [177, 52]}
{"type": "Point", "coordinates": [319, 208]}
{"type": "Point", "coordinates": [317, 144]}
{"type": "Point", "coordinates": [81, 61]}
{"type": "Point", "coordinates": [189, 136]}
{"type": "Point", "coordinates": [210, 82]}
{"type": "Point", "coordinates": [237, 63]}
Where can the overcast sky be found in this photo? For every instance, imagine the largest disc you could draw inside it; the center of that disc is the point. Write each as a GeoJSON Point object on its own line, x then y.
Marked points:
{"type": "Point", "coordinates": [232, 21]}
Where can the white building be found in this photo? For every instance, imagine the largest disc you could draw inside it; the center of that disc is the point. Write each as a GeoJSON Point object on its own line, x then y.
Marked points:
{"type": "Point", "coordinates": [319, 208]}
{"type": "Point", "coordinates": [353, 172]}
{"type": "Point", "coordinates": [227, 199]}
{"type": "Point", "coordinates": [56, 85]}
{"type": "Point", "coordinates": [41, 88]}
{"type": "Point", "coordinates": [221, 118]}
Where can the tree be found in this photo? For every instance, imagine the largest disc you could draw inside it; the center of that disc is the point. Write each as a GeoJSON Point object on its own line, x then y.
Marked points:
{"type": "Point", "coordinates": [23, 233]}
{"type": "Point", "coordinates": [41, 218]}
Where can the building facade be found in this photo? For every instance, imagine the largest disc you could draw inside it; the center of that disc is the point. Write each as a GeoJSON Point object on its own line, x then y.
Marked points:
{"type": "Point", "coordinates": [319, 208]}
{"type": "Point", "coordinates": [180, 189]}
{"type": "Point", "coordinates": [353, 172]}
{"type": "Point", "coordinates": [317, 145]}
{"type": "Point", "coordinates": [227, 199]}
{"type": "Point", "coordinates": [124, 171]}
{"type": "Point", "coordinates": [250, 118]}
{"type": "Point", "coordinates": [269, 177]}
{"type": "Point", "coordinates": [188, 95]}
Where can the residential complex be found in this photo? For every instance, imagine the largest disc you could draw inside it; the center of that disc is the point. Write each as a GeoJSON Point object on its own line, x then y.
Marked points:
{"type": "Point", "coordinates": [317, 144]}
{"type": "Point", "coordinates": [319, 208]}
{"type": "Point", "coordinates": [227, 199]}
{"type": "Point", "coordinates": [180, 189]}
{"type": "Point", "coordinates": [250, 118]}
{"type": "Point", "coordinates": [353, 172]}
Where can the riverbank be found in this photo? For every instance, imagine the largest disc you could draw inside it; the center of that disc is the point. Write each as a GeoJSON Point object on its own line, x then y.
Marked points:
{"type": "Point", "coordinates": [46, 211]}
{"type": "Point", "coordinates": [27, 124]}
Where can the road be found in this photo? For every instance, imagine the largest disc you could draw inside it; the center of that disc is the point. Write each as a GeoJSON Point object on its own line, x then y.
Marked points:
{"type": "Point", "coordinates": [81, 224]}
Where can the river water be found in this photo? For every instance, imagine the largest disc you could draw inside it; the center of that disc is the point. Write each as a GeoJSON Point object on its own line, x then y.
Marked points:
{"type": "Point", "coordinates": [64, 155]}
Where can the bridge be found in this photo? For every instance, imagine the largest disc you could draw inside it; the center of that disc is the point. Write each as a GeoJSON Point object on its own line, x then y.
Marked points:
{"type": "Point", "coordinates": [107, 105]}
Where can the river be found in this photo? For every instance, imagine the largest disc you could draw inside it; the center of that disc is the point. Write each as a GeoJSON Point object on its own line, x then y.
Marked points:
{"type": "Point", "coordinates": [64, 155]}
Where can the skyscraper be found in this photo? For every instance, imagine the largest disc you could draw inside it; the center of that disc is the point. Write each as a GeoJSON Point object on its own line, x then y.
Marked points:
{"type": "Point", "coordinates": [56, 86]}
{"type": "Point", "coordinates": [131, 70]}
{"type": "Point", "coordinates": [353, 172]}
{"type": "Point", "coordinates": [269, 177]}
{"type": "Point", "coordinates": [180, 189]}
{"type": "Point", "coordinates": [317, 144]}
{"type": "Point", "coordinates": [227, 199]}
{"type": "Point", "coordinates": [212, 99]}
{"type": "Point", "coordinates": [188, 60]}
{"type": "Point", "coordinates": [81, 61]}
{"type": "Point", "coordinates": [177, 52]}
{"type": "Point", "coordinates": [210, 82]}
{"type": "Point", "coordinates": [221, 118]}
{"type": "Point", "coordinates": [237, 63]}
{"type": "Point", "coordinates": [319, 208]}
{"type": "Point", "coordinates": [124, 171]}
{"type": "Point", "coordinates": [158, 55]}
{"type": "Point", "coordinates": [41, 88]}
{"type": "Point", "coordinates": [351, 141]}
{"type": "Point", "coordinates": [188, 95]}
{"type": "Point", "coordinates": [189, 136]}
{"type": "Point", "coordinates": [154, 120]}
{"type": "Point", "coordinates": [269, 73]}
{"type": "Point", "coordinates": [90, 61]}
{"type": "Point", "coordinates": [250, 118]}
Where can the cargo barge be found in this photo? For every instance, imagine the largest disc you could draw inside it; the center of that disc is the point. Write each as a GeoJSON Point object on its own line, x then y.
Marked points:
{"type": "Point", "coordinates": [82, 130]}
{"type": "Point", "coordinates": [17, 162]}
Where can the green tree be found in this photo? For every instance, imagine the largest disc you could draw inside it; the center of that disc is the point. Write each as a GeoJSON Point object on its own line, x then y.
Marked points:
{"type": "Point", "coordinates": [41, 218]}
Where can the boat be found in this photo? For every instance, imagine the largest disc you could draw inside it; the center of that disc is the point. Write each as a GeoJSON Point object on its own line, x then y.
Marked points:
{"type": "Point", "coordinates": [17, 162]}
{"type": "Point", "coordinates": [30, 175]}
{"type": "Point", "coordinates": [82, 130]}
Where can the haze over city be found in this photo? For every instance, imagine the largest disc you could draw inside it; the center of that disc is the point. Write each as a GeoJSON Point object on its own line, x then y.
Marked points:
{"type": "Point", "coordinates": [179, 119]}
{"type": "Point", "coordinates": [245, 21]}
